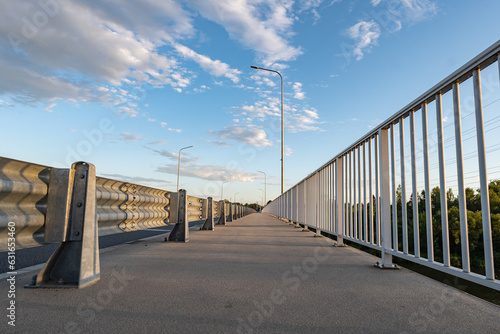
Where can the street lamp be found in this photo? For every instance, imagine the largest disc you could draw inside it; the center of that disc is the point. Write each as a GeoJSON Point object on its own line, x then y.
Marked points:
{"type": "Point", "coordinates": [222, 190]}
{"type": "Point", "coordinates": [179, 166]}
{"type": "Point", "coordinates": [235, 197]}
{"type": "Point", "coordinates": [282, 133]}
{"type": "Point", "coordinates": [265, 186]}
{"type": "Point", "coordinates": [262, 194]}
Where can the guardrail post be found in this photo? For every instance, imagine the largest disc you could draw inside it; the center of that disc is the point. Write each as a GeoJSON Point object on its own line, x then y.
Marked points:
{"type": "Point", "coordinates": [181, 228]}
{"type": "Point", "coordinates": [209, 222]}
{"type": "Point", "coordinates": [71, 220]}
{"type": "Point", "coordinates": [222, 214]}
{"type": "Point", "coordinates": [385, 206]}
{"type": "Point", "coordinates": [230, 213]}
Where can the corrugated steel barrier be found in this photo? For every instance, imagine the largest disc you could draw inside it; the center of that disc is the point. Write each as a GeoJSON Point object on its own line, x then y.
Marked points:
{"type": "Point", "coordinates": [63, 205]}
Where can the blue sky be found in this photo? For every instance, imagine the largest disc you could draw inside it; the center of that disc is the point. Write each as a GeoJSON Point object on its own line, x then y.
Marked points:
{"type": "Point", "coordinates": [125, 84]}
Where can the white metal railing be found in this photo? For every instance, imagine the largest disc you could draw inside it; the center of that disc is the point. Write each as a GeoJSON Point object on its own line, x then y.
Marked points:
{"type": "Point", "coordinates": [366, 194]}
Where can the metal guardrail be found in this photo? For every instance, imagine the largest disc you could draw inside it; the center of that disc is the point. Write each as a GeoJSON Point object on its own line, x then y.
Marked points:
{"type": "Point", "coordinates": [73, 207]}
{"type": "Point", "coordinates": [355, 195]}
{"type": "Point", "coordinates": [23, 198]}
{"type": "Point", "coordinates": [124, 207]}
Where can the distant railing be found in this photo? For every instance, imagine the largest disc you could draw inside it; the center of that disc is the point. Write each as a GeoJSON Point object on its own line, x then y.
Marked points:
{"type": "Point", "coordinates": [40, 204]}
{"type": "Point", "coordinates": [357, 195]}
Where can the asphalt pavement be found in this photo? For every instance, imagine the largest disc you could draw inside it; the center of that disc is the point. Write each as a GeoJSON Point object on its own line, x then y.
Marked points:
{"type": "Point", "coordinates": [254, 275]}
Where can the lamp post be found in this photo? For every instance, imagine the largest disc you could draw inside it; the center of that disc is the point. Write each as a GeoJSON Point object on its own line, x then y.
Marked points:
{"type": "Point", "coordinates": [262, 194]}
{"type": "Point", "coordinates": [235, 197]}
{"type": "Point", "coordinates": [282, 133]}
{"type": "Point", "coordinates": [265, 186]}
{"type": "Point", "coordinates": [222, 190]}
{"type": "Point", "coordinates": [179, 166]}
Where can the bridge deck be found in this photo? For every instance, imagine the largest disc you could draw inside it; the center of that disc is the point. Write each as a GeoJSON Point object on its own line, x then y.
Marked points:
{"type": "Point", "coordinates": [254, 275]}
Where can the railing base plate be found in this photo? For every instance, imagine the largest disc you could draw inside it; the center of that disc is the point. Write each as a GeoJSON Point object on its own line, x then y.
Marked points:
{"type": "Point", "coordinates": [386, 266]}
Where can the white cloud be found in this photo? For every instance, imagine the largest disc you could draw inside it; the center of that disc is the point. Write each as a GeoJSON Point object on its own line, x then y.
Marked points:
{"type": "Point", "coordinates": [158, 142]}
{"type": "Point", "coordinates": [50, 106]}
{"type": "Point", "coordinates": [215, 142]}
{"type": "Point", "coordinates": [375, 2]}
{"type": "Point", "coordinates": [100, 51]}
{"type": "Point", "coordinates": [130, 137]}
{"type": "Point", "coordinates": [262, 110]}
{"type": "Point", "coordinates": [214, 67]}
{"type": "Point", "coordinates": [259, 25]}
{"type": "Point", "coordinates": [85, 49]}
{"type": "Point", "coordinates": [175, 130]}
{"type": "Point", "coordinates": [365, 34]}
{"type": "Point", "coordinates": [185, 156]}
{"type": "Point", "coordinates": [151, 120]}
{"type": "Point", "coordinates": [299, 94]}
{"type": "Point", "coordinates": [210, 172]}
{"type": "Point", "coordinates": [250, 135]}
{"type": "Point", "coordinates": [306, 119]}
{"type": "Point", "coordinates": [163, 124]}
{"type": "Point", "coordinates": [297, 118]}
{"type": "Point", "coordinates": [136, 179]}
{"type": "Point", "coordinates": [264, 79]}
{"type": "Point", "coordinates": [418, 10]}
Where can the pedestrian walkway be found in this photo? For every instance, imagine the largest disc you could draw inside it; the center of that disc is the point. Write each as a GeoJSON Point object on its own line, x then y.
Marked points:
{"type": "Point", "coordinates": [254, 275]}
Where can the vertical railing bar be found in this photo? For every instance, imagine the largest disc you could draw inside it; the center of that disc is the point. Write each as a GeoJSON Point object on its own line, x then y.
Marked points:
{"type": "Point", "coordinates": [365, 212]}
{"type": "Point", "coordinates": [483, 178]}
{"type": "Point", "coordinates": [355, 204]}
{"type": "Point", "coordinates": [393, 186]}
{"type": "Point", "coordinates": [297, 204]}
{"type": "Point", "coordinates": [377, 191]}
{"type": "Point", "coordinates": [360, 216]}
{"type": "Point", "coordinates": [385, 198]}
{"type": "Point", "coordinates": [305, 204]}
{"type": "Point", "coordinates": [330, 197]}
{"type": "Point", "coordinates": [416, 236]}
{"type": "Point", "coordinates": [333, 197]}
{"type": "Point", "coordinates": [350, 194]}
{"type": "Point", "coordinates": [318, 202]}
{"type": "Point", "coordinates": [325, 199]}
{"type": "Point", "coordinates": [404, 217]}
{"type": "Point", "coordinates": [462, 203]}
{"type": "Point", "coordinates": [428, 205]}
{"type": "Point", "coordinates": [345, 194]}
{"type": "Point", "coordinates": [339, 178]}
{"type": "Point", "coordinates": [334, 194]}
{"type": "Point", "coordinates": [370, 188]}
{"type": "Point", "coordinates": [323, 194]}
{"type": "Point", "coordinates": [442, 182]}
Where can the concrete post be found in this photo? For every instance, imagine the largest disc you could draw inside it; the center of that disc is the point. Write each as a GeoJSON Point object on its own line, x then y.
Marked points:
{"type": "Point", "coordinates": [72, 221]}
{"type": "Point", "coordinates": [230, 213]}
{"type": "Point", "coordinates": [181, 228]}
{"type": "Point", "coordinates": [209, 222]}
{"type": "Point", "coordinates": [222, 214]}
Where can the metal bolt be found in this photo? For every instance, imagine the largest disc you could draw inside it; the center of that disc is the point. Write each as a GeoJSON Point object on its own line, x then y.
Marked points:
{"type": "Point", "coordinates": [77, 233]}
{"type": "Point", "coordinates": [82, 176]}
{"type": "Point", "coordinates": [79, 204]}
